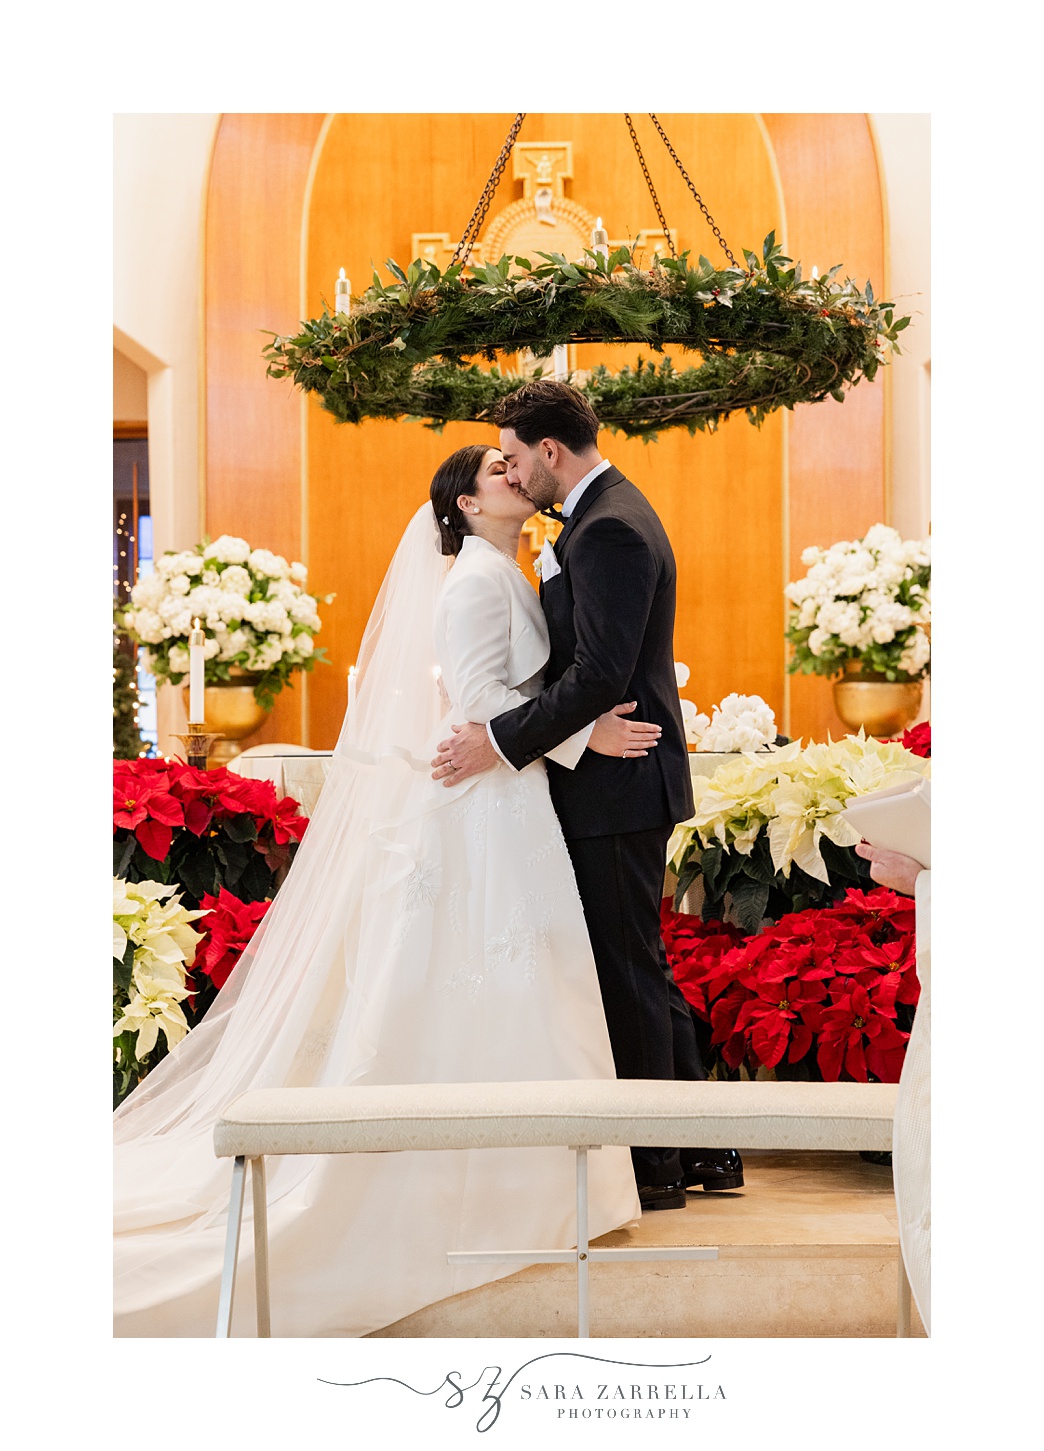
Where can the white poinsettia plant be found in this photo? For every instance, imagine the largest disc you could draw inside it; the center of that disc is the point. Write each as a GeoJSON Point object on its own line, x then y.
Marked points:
{"type": "Point", "coordinates": [866, 600]}
{"type": "Point", "coordinates": [252, 605]}
{"type": "Point", "coordinates": [794, 797]}
{"type": "Point", "coordinates": [152, 942]}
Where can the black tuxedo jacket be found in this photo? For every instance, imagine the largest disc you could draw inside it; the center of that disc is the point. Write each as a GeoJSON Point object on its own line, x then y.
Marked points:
{"type": "Point", "coordinates": [610, 616]}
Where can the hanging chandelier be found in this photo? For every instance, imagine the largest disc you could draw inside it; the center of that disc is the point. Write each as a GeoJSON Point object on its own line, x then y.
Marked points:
{"type": "Point", "coordinates": [767, 337]}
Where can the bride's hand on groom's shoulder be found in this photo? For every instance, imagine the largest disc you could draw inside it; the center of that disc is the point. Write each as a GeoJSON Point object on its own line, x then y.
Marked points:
{"type": "Point", "coordinates": [615, 736]}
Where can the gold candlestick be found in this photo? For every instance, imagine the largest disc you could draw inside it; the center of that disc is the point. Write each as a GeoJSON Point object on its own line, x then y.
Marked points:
{"type": "Point", "coordinates": [198, 742]}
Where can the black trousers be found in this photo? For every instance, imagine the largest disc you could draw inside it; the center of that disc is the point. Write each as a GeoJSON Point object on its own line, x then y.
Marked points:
{"type": "Point", "coordinates": [620, 879]}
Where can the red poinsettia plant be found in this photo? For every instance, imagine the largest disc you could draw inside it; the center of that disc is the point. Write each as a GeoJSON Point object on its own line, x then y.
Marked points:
{"type": "Point", "coordinates": [226, 842]}
{"type": "Point", "coordinates": [201, 829]}
{"type": "Point", "coordinates": [228, 928]}
{"type": "Point", "coordinates": [918, 740]}
{"type": "Point", "coordinates": [827, 993]}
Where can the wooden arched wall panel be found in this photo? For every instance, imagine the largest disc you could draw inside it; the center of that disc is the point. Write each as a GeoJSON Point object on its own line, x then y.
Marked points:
{"type": "Point", "coordinates": [837, 484]}
{"type": "Point", "coordinates": [253, 284]}
{"type": "Point", "coordinates": [380, 178]}
{"type": "Point", "coordinates": [342, 501]}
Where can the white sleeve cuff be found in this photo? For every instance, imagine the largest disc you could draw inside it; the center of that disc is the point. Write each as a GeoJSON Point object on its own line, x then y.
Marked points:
{"type": "Point", "coordinates": [568, 753]}
{"type": "Point", "coordinates": [493, 743]}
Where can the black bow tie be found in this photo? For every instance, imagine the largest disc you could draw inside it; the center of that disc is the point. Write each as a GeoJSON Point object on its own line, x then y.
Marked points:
{"type": "Point", "coordinates": [552, 513]}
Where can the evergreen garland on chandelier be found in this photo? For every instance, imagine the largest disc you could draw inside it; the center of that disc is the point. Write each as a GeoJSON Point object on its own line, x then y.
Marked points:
{"type": "Point", "coordinates": [767, 338]}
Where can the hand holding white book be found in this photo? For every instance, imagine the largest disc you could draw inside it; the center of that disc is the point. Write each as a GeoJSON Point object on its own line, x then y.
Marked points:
{"type": "Point", "coordinates": [896, 818]}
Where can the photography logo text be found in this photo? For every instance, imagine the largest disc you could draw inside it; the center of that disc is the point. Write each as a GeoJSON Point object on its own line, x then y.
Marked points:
{"type": "Point", "coordinates": [578, 1388]}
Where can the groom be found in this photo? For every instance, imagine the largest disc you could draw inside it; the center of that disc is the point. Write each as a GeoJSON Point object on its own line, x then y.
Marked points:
{"type": "Point", "coordinates": [608, 592]}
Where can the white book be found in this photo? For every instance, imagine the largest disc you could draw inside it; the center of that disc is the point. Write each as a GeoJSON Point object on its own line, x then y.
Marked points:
{"type": "Point", "coordinates": [896, 818]}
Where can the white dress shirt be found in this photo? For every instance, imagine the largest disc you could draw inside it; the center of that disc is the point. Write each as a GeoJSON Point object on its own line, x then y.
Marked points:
{"type": "Point", "coordinates": [573, 497]}
{"type": "Point", "coordinates": [569, 504]}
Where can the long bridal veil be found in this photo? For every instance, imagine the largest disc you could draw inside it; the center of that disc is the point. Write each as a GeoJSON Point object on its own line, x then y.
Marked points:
{"type": "Point", "coordinates": [304, 1004]}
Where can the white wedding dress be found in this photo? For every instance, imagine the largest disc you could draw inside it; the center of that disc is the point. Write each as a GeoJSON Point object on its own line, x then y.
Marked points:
{"type": "Point", "coordinates": [424, 934]}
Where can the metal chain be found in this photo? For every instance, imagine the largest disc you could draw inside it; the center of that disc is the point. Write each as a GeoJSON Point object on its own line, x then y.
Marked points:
{"type": "Point", "coordinates": [652, 189]}
{"type": "Point", "coordinates": [478, 216]}
{"type": "Point", "coordinates": [688, 182]}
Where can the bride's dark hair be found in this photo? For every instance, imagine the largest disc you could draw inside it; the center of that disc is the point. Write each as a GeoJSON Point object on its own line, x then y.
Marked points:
{"type": "Point", "coordinates": [456, 475]}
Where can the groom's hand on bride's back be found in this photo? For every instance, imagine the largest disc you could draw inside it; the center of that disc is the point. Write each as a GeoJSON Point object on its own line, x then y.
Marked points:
{"type": "Point", "coordinates": [467, 753]}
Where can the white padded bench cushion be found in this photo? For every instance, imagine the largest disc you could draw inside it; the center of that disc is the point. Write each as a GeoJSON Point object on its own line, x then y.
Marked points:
{"type": "Point", "coordinates": [367, 1119]}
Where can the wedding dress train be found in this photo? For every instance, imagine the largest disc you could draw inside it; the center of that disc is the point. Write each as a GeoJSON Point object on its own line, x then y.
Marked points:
{"type": "Point", "coordinates": [424, 934]}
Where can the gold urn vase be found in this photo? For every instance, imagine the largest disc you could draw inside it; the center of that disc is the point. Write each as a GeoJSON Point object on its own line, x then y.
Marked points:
{"type": "Point", "coordinates": [882, 707]}
{"type": "Point", "coordinates": [230, 710]}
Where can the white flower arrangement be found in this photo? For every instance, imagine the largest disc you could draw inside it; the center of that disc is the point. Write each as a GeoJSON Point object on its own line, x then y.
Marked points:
{"type": "Point", "coordinates": [151, 943]}
{"type": "Point", "coordinates": [866, 600]}
{"type": "Point", "coordinates": [252, 606]}
{"type": "Point", "coordinates": [738, 723]}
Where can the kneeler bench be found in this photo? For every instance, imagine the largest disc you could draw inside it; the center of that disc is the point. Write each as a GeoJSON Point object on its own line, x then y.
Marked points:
{"type": "Point", "coordinates": [580, 1114]}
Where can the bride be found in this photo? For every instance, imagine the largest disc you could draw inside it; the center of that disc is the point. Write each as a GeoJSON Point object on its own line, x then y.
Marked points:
{"type": "Point", "coordinates": [424, 934]}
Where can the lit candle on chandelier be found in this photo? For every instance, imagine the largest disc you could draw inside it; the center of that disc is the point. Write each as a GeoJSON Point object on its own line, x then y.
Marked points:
{"type": "Point", "coordinates": [196, 658]}
{"type": "Point", "coordinates": [600, 240]}
{"type": "Point", "coordinates": [344, 295]}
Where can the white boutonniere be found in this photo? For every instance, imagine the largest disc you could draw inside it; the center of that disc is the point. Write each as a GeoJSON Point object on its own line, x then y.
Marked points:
{"type": "Point", "coordinates": [546, 564]}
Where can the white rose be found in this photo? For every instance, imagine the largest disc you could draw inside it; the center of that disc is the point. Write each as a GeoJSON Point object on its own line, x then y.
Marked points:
{"type": "Point", "coordinates": [298, 571]}
{"type": "Point", "coordinates": [179, 659]}
{"type": "Point", "coordinates": [681, 674]}
{"type": "Point", "coordinates": [916, 655]}
{"type": "Point", "coordinates": [882, 536]}
{"type": "Point", "coordinates": [817, 640]}
{"type": "Point", "coordinates": [811, 555]}
{"type": "Point", "coordinates": [833, 615]}
{"type": "Point", "coordinates": [231, 606]}
{"type": "Point", "coordinates": [228, 550]}
{"type": "Point", "coordinates": [263, 561]}
{"type": "Point", "coordinates": [303, 645]}
{"type": "Point", "coordinates": [179, 584]}
{"type": "Point", "coordinates": [235, 579]}
{"type": "Point", "coordinates": [148, 625]}
{"type": "Point", "coordinates": [149, 590]}
{"type": "Point", "coordinates": [234, 643]}
{"type": "Point", "coordinates": [211, 578]}
{"type": "Point", "coordinates": [187, 561]}
{"type": "Point", "coordinates": [887, 620]}
{"type": "Point", "coordinates": [265, 656]}
{"type": "Point", "coordinates": [303, 610]}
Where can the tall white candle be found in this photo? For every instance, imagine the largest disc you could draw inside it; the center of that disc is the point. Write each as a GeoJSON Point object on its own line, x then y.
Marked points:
{"type": "Point", "coordinates": [344, 294]}
{"type": "Point", "coordinates": [351, 701]}
{"type": "Point", "coordinates": [600, 240]}
{"type": "Point", "coordinates": [196, 658]}
{"type": "Point", "coordinates": [561, 362]}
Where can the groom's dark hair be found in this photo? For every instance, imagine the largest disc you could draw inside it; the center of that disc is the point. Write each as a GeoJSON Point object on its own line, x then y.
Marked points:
{"type": "Point", "coordinates": [546, 408]}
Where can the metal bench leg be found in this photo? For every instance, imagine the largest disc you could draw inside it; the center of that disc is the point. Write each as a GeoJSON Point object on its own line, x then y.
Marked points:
{"type": "Point", "coordinates": [261, 1293]}
{"type": "Point", "coordinates": [583, 1323]}
{"type": "Point", "coordinates": [228, 1269]}
{"type": "Point", "coordinates": [904, 1314]}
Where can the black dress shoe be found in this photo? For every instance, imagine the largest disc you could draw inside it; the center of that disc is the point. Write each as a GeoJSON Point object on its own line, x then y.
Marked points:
{"type": "Point", "coordinates": [662, 1196]}
{"type": "Point", "coordinates": [713, 1169]}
